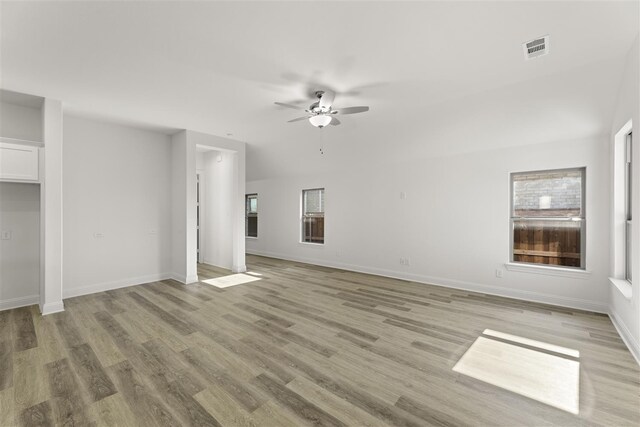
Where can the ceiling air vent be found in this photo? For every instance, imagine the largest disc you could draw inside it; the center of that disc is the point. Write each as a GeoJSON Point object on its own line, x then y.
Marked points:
{"type": "Point", "coordinates": [536, 48]}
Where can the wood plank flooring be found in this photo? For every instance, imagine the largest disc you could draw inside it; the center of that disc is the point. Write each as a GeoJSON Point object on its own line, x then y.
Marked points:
{"type": "Point", "coordinates": [305, 345]}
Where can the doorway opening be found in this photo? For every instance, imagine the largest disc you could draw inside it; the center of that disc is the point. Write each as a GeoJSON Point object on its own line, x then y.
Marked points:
{"type": "Point", "coordinates": [215, 200]}
{"type": "Point", "coordinates": [20, 244]}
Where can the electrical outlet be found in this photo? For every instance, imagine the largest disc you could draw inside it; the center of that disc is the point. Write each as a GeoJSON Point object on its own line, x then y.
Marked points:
{"type": "Point", "coordinates": [5, 235]}
{"type": "Point", "coordinates": [153, 231]}
{"type": "Point", "coordinates": [401, 261]}
{"type": "Point", "coordinates": [499, 273]}
{"type": "Point", "coordinates": [405, 261]}
{"type": "Point", "coordinates": [403, 195]}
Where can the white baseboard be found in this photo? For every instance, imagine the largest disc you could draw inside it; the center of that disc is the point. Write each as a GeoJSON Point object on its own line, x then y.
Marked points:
{"type": "Point", "coordinates": [52, 307]}
{"type": "Point", "coordinates": [8, 304]}
{"type": "Point", "coordinates": [183, 279]}
{"type": "Point", "coordinates": [107, 286]}
{"type": "Point", "coordinates": [626, 335]}
{"type": "Point", "coordinates": [214, 263]}
{"type": "Point", "coordinates": [239, 269]}
{"type": "Point", "coordinates": [178, 277]}
{"type": "Point", "coordinates": [558, 300]}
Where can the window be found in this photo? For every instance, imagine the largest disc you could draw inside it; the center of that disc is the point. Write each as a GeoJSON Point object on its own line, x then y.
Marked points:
{"type": "Point", "coordinates": [621, 212]}
{"type": "Point", "coordinates": [548, 218]}
{"type": "Point", "coordinates": [251, 215]}
{"type": "Point", "coordinates": [628, 175]}
{"type": "Point", "coordinates": [313, 216]}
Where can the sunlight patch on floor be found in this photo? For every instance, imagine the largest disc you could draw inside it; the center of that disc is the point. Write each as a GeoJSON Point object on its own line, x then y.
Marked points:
{"type": "Point", "coordinates": [548, 378]}
{"type": "Point", "coordinates": [231, 280]}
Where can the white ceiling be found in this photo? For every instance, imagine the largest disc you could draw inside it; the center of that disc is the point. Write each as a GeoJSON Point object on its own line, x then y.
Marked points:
{"type": "Point", "coordinates": [217, 67]}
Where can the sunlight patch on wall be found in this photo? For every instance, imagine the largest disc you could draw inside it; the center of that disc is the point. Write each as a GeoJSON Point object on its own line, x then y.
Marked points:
{"type": "Point", "coordinates": [545, 372]}
{"type": "Point", "coordinates": [231, 280]}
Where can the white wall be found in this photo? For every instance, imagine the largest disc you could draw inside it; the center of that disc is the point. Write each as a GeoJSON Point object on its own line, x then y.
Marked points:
{"type": "Point", "coordinates": [179, 227]}
{"type": "Point", "coordinates": [20, 256]}
{"type": "Point", "coordinates": [626, 312]}
{"type": "Point", "coordinates": [117, 206]}
{"type": "Point", "coordinates": [453, 224]}
{"type": "Point", "coordinates": [199, 161]}
{"type": "Point", "coordinates": [17, 121]}
{"type": "Point", "coordinates": [190, 202]}
{"type": "Point", "coordinates": [223, 240]}
{"type": "Point", "coordinates": [51, 203]}
{"type": "Point", "coordinates": [218, 209]}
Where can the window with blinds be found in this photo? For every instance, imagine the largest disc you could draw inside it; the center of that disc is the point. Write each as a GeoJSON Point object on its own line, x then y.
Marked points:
{"type": "Point", "coordinates": [313, 216]}
{"type": "Point", "coordinates": [251, 215]}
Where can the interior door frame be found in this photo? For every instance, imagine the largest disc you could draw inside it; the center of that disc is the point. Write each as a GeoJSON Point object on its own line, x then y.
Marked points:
{"type": "Point", "coordinates": [200, 206]}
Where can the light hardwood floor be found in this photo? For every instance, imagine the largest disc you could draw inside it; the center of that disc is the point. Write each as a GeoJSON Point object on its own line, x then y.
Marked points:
{"type": "Point", "coordinates": [305, 345]}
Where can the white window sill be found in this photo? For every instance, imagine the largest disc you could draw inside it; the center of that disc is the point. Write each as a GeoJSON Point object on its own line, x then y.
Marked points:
{"type": "Point", "coordinates": [311, 244]}
{"type": "Point", "coordinates": [623, 286]}
{"type": "Point", "coordinates": [251, 237]}
{"type": "Point", "coordinates": [549, 271]}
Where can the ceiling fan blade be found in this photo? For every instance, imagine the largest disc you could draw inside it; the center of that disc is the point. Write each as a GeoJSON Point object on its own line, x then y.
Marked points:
{"type": "Point", "coordinates": [353, 110]}
{"type": "Point", "coordinates": [282, 104]}
{"type": "Point", "coordinates": [335, 121]}
{"type": "Point", "coordinates": [298, 119]}
{"type": "Point", "coordinates": [327, 99]}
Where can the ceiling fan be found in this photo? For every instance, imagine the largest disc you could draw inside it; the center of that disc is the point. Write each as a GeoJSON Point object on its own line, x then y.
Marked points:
{"type": "Point", "coordinates": [321, 113]}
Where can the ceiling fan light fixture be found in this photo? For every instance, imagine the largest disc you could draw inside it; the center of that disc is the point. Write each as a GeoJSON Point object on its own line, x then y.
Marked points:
{"type": "Point", "coordinates": [321, 113]}
{"type": "Point", "coordinates": [320, 120]}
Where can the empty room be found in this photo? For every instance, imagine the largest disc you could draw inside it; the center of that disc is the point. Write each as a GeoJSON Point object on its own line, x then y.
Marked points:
{"type": "Point", "coordinates": [319, 213]}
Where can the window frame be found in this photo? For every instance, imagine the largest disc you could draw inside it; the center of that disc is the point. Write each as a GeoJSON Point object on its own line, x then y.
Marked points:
{"type": "Point", "coordinates": [248, 214]}
{"type": "Point", "coordinates": [619, 263]}
{"type": "Point", "coordinates": [525, 266]}
{"type": "Point", "coordinates": [628, 207]}
{"type": "Point", "coordinates": [303, 216]}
